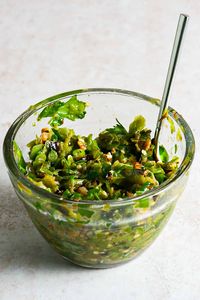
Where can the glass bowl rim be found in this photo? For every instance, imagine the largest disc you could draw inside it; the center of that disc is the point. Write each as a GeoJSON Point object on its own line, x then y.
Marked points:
{"type": "Point", "coordinates": [12, 131]}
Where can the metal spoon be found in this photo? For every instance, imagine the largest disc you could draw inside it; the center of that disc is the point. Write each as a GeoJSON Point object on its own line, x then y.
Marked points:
{"type": "Point", "coordinates": [170, 75]}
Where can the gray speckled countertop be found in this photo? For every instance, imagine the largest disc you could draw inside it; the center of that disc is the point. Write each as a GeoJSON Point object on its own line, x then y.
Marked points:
{"type": "Point", "coordinates": [52, 46]}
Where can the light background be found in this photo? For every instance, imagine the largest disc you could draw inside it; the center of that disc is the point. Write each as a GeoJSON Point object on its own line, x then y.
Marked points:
{"type": "Point", "coordinates": [47, 47]}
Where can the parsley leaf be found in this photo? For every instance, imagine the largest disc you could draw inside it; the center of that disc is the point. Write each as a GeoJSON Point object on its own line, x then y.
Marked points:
{"type": "Point", "coordinates": [72, 109]}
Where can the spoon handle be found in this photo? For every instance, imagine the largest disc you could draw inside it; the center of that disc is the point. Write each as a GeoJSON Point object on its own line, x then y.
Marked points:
{"type": "Point", "coordinates": [170, 75]}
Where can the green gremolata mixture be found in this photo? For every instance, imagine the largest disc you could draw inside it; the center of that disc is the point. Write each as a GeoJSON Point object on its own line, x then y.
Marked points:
{"type": "Point", "coordinates": [118, 163]}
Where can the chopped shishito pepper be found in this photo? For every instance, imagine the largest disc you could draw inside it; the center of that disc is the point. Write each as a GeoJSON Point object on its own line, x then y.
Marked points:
{"type": "Point", "coordinates": [118, 163]}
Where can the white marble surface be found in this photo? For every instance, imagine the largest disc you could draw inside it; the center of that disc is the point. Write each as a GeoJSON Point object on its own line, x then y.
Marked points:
{"type": "Point", "coordinates": [52, 46]}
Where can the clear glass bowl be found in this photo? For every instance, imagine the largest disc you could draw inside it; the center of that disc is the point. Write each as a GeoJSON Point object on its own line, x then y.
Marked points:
{"type": "Point", "coordinates": [101, 234]}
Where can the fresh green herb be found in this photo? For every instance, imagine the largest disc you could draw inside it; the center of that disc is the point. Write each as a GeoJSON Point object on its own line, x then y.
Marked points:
{"type": "Point", "coordinates": [163, 154]}
{"type": "Point", "coordinates": [72, 109]}
{"type": "Point", "coordinates": [19, 158]}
